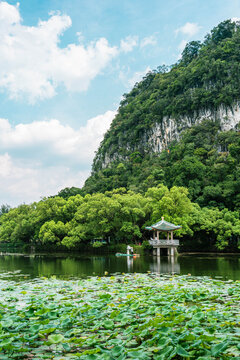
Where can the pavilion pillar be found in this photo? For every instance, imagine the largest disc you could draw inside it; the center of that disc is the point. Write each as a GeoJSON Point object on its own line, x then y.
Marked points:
{"type": "Point", "coordinates": [158, 264]}
{"type": "Point", "coordinates": [158, 251]}
{"type": "Point", "coordinates": [157, 235]}
{"type": "Point", "coordinates": [169, 251]}
{"type": "Point", "coordinates": [171, 235]}
{"type": "Point", "coordinates": [172, 251]}
{"type": "Point", "coordinates": [167, 235]}
{"type": "Point", "coordinates": [172, 260]}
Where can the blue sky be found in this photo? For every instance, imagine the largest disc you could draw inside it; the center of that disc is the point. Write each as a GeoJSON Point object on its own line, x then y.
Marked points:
{"type": "Point", "coordinates": [64, 65]}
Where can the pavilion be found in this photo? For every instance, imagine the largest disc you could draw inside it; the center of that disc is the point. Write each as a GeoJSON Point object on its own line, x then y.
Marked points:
{"type": "Point", "coordinates": [170, 244]}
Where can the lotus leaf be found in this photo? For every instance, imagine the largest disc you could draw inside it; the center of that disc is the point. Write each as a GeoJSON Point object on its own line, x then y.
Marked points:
{"type": "Point", "coordinates": [122, 317]}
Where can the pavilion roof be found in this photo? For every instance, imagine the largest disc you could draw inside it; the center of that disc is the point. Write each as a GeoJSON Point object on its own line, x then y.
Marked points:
{"type": "Point", "coordinates": [163, 225]}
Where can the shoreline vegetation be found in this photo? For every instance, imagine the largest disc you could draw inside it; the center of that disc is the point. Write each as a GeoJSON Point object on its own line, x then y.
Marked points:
{"type": "Point", "coordinates": [107, 222]}
{"type": "Point", "coordinates": [113, 252]}
{"type": "Point", "coordinates": [130, 316]}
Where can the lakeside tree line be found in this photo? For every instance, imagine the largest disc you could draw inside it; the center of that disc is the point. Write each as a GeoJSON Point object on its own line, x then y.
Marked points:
{"type": "Point", "coordinates": [121, 216]}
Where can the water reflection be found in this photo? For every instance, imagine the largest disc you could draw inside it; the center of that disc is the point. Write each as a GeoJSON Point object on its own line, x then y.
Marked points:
{"type": "Point", "coordinates": [130, 263]}
{"type": "Point", "coordinates": [67, 266]}
{"type": "Point", "coordinates": [165, 265]}
{"type": "Point", "coordinates": [226, 267]}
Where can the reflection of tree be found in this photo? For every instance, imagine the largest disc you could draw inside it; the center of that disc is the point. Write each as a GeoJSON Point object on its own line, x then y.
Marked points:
{"type": "Point", "coordinates": [226, 266]}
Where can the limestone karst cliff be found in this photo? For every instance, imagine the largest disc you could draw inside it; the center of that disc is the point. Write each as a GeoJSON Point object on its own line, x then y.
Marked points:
{"type": "Point", "coordinates": [161, 134]}
{"type": "Point", "coordinates": [205, 83]}
{"type": "Point", "coordinates": [180, 126]}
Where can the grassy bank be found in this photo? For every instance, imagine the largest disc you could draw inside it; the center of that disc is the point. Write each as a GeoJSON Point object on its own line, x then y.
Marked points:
{"type": "Point", "coordinates": [120, 317]}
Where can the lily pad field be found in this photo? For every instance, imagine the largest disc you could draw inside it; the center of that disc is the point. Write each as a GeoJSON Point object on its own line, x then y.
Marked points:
{"type": "Point", "coordinates": [127, 316]}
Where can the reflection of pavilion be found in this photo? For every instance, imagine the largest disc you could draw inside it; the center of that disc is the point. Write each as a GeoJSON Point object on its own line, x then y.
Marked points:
{"type": "Point", "coordinates": [170, 265]}
{"type": "Point", "coordinates": [170, 244]}
{"type": "Point", "coordinates": [129, 263]}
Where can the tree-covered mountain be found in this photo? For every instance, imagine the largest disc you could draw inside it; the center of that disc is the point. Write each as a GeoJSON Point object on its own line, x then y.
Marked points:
{"type": "Point", "coordinates": [179, 126]}
{"type": "Point", "coordinates": [205, 82]}
{"type": "Point", "coordinates": [205, 160]}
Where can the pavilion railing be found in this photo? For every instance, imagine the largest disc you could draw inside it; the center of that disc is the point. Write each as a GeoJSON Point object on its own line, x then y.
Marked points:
{"type": "Point", "coordinates": [155, 242]}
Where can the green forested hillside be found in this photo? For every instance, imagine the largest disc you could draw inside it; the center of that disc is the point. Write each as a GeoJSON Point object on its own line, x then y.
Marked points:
{"type": "Point", "coordinates": [206, 159]}
{"type": "Point", "coordinates": [195, 162]}
{"type": "Point", "coordinates": [206, 77]}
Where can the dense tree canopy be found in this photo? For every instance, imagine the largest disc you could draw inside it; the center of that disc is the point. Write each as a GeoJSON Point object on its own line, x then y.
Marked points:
{"type": "Point", "coordinates": [119, 216]}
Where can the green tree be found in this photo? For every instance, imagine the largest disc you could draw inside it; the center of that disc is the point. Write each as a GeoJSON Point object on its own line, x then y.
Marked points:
{"type": "Point", "coordinates": [4, 209]}
{"type": "Point", "coordinates": [53, 232]}
{"type": "Point", "coordinates": [116, 214]}
{"type": "Point", "coordinates": [174, 205]}
{"type": "Point", "coordinates": [190, 52]}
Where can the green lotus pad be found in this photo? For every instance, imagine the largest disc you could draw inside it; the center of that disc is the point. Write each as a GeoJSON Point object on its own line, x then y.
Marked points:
{"type": "Point", "coordinates": [132, 316]}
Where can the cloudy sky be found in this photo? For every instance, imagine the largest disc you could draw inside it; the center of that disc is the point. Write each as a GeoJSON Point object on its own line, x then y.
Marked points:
{"type": "Point", "coordinates": [64, 65]}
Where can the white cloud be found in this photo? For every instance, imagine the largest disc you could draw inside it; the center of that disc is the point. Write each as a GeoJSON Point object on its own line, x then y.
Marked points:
{"type": "Point", "coordinates": [129, 43]}
{"type": "Point", "coordinates": [21, 184]}
{"type": "Point", "coordinates": [33, 64]}
{"type": "Point", "coordinates": [43, 157]}
{"type": "Point", "coordinates": [9, 14]}
{"type": "Point", "coordinates": [188, 29]}
{"type": "Point", "coordinates": [149, 40]}
{"type": "Point", "coordinates": [55, 138]}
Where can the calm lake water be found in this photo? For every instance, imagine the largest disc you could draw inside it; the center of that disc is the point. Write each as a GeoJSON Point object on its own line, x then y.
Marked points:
{"type": "Point", "coordinates": [226, 267]}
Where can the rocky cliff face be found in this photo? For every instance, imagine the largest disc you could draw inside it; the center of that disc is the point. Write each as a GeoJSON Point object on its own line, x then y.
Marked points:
{"type": "Point", "coordinates": [160, 135]}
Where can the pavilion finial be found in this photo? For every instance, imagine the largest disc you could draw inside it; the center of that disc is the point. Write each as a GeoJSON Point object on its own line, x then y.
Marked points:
{"type": "Point", "coordinates": [162, 218]}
